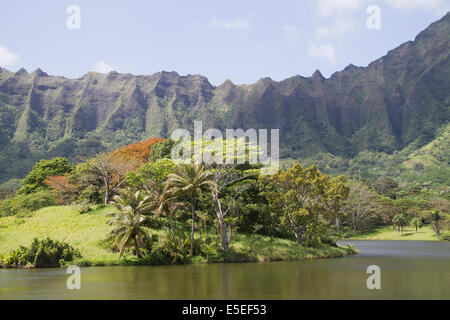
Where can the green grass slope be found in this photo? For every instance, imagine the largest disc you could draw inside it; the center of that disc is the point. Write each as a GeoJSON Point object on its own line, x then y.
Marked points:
{"type": "Point", "coordinates": [390, 233]}
{"type": "Point", "coordinates": [83, 231]}
{"type": "Point", "coordinates": [86, 232]}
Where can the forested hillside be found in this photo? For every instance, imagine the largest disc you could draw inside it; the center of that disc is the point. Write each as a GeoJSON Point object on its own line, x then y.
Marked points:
{"type": "Point", "coordinates": [397, 104]}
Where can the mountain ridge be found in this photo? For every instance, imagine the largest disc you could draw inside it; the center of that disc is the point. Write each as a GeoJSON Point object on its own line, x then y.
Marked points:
{"type": "Point", "coordinates": [395, 102]}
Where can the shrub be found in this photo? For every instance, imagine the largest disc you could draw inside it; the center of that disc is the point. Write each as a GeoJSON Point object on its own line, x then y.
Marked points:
{"type": "Point", "coordinates": [41, 254]}
{"type": "Point", "coordinates": [84, 207]}
{"type": "Point", "coordinates": [445, 236]}
{"type": "Point", "coordinates": [328, 240]}
{"type": "Point", "coordinates": [176, 251]}
{"type": "Point", "coordinates": [11, 260]}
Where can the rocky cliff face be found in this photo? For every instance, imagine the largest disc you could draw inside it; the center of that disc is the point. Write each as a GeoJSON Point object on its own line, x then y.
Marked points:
{"type": "Point", "coordinates": [397, 101]}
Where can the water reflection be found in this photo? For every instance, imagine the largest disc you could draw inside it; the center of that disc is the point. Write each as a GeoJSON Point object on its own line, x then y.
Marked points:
{"type": "Point", "coordinates": [409, 270]}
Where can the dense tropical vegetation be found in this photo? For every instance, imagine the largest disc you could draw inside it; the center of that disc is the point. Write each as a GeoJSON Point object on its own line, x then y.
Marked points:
{"type": "Point", "coordinates": [162, 211]}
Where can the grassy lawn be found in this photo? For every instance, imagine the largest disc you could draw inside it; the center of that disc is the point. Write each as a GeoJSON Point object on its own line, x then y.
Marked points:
{"type": "Point", "coordinates": [389, 233]}
{"type": "Point", "coordinates": [86, 232]}
{"type": "Point", "coordinates": [83, 231]}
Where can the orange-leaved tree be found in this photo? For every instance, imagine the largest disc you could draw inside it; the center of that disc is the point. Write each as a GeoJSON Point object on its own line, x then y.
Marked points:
{"type": "Point", "coordinates": [138, 152]}
{"type": "Point", "coordinates": [63, 186]}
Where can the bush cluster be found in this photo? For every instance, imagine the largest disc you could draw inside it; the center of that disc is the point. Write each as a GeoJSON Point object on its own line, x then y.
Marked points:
{"type": "Point", "coordinates": [445, 236]}
{"type": "Point", "coordinates": [44, 253]}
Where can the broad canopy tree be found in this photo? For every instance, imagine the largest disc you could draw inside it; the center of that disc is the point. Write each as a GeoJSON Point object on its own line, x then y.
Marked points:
{"type": "Point", "coordinates": [300, 196]}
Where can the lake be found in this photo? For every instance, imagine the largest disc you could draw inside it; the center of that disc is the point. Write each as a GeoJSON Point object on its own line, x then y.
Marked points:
{"type": "Point", "coordinates": [409, 270]}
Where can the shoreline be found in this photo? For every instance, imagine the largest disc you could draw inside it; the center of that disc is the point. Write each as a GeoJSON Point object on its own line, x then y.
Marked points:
{"type": "Point", "coordinates": [304, 253]}
{"type": "Point", "coordinates": [308, 254]}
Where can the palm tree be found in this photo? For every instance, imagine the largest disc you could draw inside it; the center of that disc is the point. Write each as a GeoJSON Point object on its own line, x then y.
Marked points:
{"type": "Point", "coordinates": [416, 222]}
{"type": "Point", "coordinates": [190, 180]}
{"type": "Point", "coordinates": [163, 202]}
{"type": "Point", "coordinates": [399, 220]}
{"type": "Point", "coordinates": [436, 218]}
{"type": "Point", "coordinates": [129, 223]}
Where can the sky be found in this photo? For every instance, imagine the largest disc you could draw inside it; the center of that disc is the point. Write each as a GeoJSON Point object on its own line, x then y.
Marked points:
{"type": "Point", "coordinates": [238, 40]}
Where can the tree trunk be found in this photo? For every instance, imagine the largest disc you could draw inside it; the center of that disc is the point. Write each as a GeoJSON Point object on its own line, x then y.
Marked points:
{"type": "Point", "coordinates": [191, 250]}
{"type": "Point", "coordinates": [106, 191]}
{"type": "Point", "coordinates": [223, 232]}
{"type": "Point", "coordinates": [338, 222]}
{"type": "Point", "coordinates": [138, 253]}
{"type": "Point", "coordinates": [222, 223]}
{"type": "Point", "coordinates": [299, 237]}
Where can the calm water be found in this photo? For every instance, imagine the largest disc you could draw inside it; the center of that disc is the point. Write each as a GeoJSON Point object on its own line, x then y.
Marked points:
{"type": "Point", "coordinates": [409, 270]}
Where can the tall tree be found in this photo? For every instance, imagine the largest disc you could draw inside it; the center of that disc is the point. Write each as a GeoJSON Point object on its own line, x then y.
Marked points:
{"type": "Point", "coordinates": [191, 180]}
{"type": "Point", "coordinates": [416, 222]}
{"type": "Point", "coordinates": [436, 218]}
{"type": "Point", "coordinates": [336, 194]}
{"type": "Point", "coordinates": [111, 170]}
{"type": "Point", "coordinates": [400, 221]}
{"type": "Point", "coordinates": [164, 202]}
{"type": "Point", "coordinates": [362, 205]}
{"type": "Point", "coordinates": [226, 177]}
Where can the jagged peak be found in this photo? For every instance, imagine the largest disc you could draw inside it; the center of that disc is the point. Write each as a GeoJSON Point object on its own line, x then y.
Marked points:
{"type": "Point", "coordinates": [168, 73]}
{"type": "Point", "coordinates": [351, 67]}
{"type": "Point", "coordinates": [21, 71]}
{"type": "Point", "coordinates": [318, 75]}
{"type": "Point", "coordinates": [227, 83]}
{"type": "Point", "coordinates": [265, 80]}
{"type": "Point", "coordinates": [40, 73]}
{"type": "Point", "coordinates": [196, 77]}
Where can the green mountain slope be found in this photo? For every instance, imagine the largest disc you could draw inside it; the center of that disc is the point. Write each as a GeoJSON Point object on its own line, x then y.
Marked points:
{"type": "Point", "coordinates": [395, 103]}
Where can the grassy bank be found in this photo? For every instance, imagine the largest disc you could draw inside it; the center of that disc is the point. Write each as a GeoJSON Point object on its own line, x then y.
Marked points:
{"type": "Point", "coordinates": [86, 232]}
{"type": "Point", "coordinates": [390, 233]}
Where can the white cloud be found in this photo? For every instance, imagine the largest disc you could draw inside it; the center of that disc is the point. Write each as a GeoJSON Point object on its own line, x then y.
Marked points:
{"type": "Point", "coordinates": [325, 51]}
{"type": "Point", "coordinates": [290, 33]}
{"type": "Point", "coordinates": [439, 6]}
{"type": "Point", "coordinates": [103, 67]}
{"type": "Point", "coordinates": [232, 24]}
{"type": "Point", "coordinates": [342, 8]}
{"type": "Point", "coordinates": [341, 28]}
{"type": "Point", "coordinates": [7, 58]}
{"type": "Point", "coordinates": [328, 8]}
